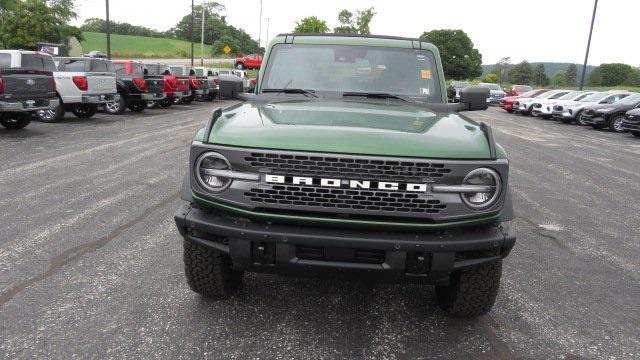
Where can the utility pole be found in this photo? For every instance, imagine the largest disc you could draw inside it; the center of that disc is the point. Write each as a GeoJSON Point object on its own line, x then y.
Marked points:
{"type": "Point", "coordinates": [266, 41]}
{"type": "Point", "coordinates": [260, 25]}
{"type": "Point", "coordinates": [108, 30]}
{"type": "Point", "coordinates": [202, 37]}
{"type": "Point", "coordinates": [586, 56]}
{"type": "Point", "coordinates": [192, 25]}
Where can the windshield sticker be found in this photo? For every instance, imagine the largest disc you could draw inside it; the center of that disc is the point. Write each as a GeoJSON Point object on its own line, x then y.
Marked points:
{"type": "Point", "coordinates": [424, 91]}
{"type": "Point", "coordinates": [425, 74]}
{"type": "Point", "coordinates": [421, 57]}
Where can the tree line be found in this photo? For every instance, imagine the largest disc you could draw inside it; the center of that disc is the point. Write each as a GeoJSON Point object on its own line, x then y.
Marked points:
{"type": "Point", "coordinates": [524, 73]}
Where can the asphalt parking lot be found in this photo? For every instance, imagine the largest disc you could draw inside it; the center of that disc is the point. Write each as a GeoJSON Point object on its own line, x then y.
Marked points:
{"type": "Point", "coordinates": [91, 262]}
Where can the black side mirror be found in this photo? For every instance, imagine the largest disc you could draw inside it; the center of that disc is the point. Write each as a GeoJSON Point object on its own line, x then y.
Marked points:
{"type": "Point", "coordinates": [474, 98]}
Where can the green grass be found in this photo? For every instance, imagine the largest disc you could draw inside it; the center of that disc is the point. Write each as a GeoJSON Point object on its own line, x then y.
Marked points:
{"type": "Point", "coordinates": [129, 46]}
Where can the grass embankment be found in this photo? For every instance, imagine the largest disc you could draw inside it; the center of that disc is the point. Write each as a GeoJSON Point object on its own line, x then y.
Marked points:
{"type": "Point", "coordinates": [130, 46]}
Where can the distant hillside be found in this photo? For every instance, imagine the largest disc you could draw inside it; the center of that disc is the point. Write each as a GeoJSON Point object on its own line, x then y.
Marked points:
{"type": "Point", "coordinates": [549, 67]}
{"type": "Point", "coordinates": [130, 46]}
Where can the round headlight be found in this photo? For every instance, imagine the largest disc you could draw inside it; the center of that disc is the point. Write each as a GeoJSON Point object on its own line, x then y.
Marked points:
{"type": "Point", "coordinates": [205, 170]}
{"type": "Point", "coordinates": [483, 177]}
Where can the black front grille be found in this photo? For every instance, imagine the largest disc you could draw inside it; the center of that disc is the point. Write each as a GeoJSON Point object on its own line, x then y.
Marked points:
{"type": "Point", "coordinates": [346, 167]}
{"type": "Point", "coordinates": [360, 256]}
{"type": "Point", "coordinates": [632, 126]}
{"type": "Point", "coordinates": [359, 200]}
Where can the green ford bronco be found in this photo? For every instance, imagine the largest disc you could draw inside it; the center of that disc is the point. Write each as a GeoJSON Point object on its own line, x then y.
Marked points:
{"type": "Point", "coordinates": [348, 159]}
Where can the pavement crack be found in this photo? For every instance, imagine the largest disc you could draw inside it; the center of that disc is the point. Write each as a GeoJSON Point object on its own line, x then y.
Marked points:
{"type": "Point", "coordinates": [536, 229]}
{"type": "Point", "coordinates": [488, 326]}
{"type": "Point", "coordinates": [76, 252]}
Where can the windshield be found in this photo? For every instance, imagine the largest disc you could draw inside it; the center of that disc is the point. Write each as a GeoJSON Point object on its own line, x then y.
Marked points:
{"type": "Point", "coordinates": [570, 95]}
{"type": "Point", "coordinates": [491, 86]}
{"type": "Point", "coordinates": [342, 68]}
{"type": "Point", "coordinates": [176, 70]}
{"type": "Point", "coordinates": [630, 100]}
{"type": "Point", "coordinates": [522, 88]}
{"type": "Point", "coordinates": [594, 97]}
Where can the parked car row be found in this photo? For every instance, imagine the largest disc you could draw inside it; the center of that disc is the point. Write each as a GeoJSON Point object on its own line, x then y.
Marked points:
{"type": "Point", "coordinates": [35, 84]}
{"type": "Point", "coordinates": [619, 111]}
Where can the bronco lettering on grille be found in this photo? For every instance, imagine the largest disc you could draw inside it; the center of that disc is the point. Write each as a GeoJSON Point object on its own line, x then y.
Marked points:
{"type": "Point", "coordinates": [344, 183]}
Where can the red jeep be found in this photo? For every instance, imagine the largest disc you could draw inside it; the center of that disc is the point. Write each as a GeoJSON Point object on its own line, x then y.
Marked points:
{"type": "Point", "coordinates": [251, 61]}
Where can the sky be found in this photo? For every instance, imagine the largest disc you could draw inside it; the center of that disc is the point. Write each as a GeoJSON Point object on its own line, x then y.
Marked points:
{"type": "Point", "coordinates": [535, 30]}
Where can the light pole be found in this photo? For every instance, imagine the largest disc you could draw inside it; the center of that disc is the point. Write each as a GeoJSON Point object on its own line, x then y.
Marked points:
{"type": "Point", "coordinates": [192, 32]}
{"type": "Point", "coordinates": [267, 39]}
{"type": "Point", "coordinates": [202, 37]}
{"type": "Point", "coordinates": [260, 25]}
{"type": "Point", "coordinates": [586, 56]}
{"type": "Point", "coordinates": [108, 31]}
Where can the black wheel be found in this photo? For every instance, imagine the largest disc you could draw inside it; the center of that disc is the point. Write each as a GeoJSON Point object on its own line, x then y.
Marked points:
{"type": "Point", "coordinates": [84, 111]}
{"type": "Point", "coordinates": [209, 273]}
{"type": "Point", "coordinates": [472, 291]}
{"type": "Point", "coordinates": [166, 102]}
{"type": "Point", "coordinates": [52, 115]}
{"type": "Point", "coordinates": [15, 121]}
{"type": "Point", "coordinates": [615, 124]}
{"type": "Point", "coordinates": [636, 133]}
{"type": "Point", "coordinates": [116, 107]}
{"type": "Point", "coordinates": [138, 106]}
{"type": "Point", "coordinates": [580, 120]}
{"type": "Point", "coordinates": [240, 66]}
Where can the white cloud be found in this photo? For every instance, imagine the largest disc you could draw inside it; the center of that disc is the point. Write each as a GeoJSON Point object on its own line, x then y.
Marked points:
{"type": "Point", "coordinates": [536, 30]}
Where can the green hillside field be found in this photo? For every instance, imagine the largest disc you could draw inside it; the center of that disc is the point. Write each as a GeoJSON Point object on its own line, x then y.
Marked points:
{"type": "Point", "coordinates": [129, 46]}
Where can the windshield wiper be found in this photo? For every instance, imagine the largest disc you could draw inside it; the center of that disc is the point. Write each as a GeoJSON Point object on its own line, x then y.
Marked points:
{"type": "Point", "coordinates": [375, 95]}
{"type": "Point", "coordinates": [305, 92]}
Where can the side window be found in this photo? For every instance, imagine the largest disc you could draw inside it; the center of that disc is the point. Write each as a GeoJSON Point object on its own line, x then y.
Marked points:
{"type": "Point", "coordinates": [5, 60]}
{"type": "Point", "coordinates": [99, 66]}
{"type": "Point", "coordinates": [120, 70]}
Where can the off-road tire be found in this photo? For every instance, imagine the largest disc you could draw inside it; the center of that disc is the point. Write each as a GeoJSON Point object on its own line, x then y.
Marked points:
{"type": "Point", "coordinates": [15, 121]}
{"type": "Point", "coordinates": [472, 291]}
{"type": "Point", "coordinates": [84, 111]}
{"type": "Point", "coordinates": [612, 124]}
{"type": "Point", "coordinates": [116, 107]}
{"type": "Point", "coordinates": [53, 115]}
{"type": "Point", "coordinates": [137, 106]}
{"type": "Point", "coordinates": [209, 272]}
{"type": "Point", "coordinates": [240, 66]}
{"type": "Point", "coordinates": [636, 133]}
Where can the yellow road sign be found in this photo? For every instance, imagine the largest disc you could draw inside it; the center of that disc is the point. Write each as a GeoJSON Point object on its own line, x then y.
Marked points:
{"type": "Point", "coordinates": [226, 49]}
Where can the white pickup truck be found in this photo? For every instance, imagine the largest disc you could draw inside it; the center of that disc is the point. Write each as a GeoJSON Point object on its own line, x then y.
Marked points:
{"type": "Point", "coordinates": [82, 85]}
{"type": "Point", "coordinates": [26, 86]}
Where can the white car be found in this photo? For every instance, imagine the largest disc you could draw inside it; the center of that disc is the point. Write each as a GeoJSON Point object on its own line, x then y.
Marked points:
{"type": "Point", "coordinates": [544, 107]}
{"type": "Point", "coordinates": [524, 106]}
{"type": "Point", "coordinates": [82, 85]}
{"type": "Point", "coordinates": [571, 111]}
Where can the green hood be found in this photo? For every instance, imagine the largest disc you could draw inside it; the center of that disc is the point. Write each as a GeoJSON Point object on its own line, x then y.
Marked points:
{"type": "Point", "coordinates": [353, 127]}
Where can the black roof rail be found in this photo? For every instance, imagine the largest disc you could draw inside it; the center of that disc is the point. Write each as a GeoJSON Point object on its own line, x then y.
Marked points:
{"type": "Point", "coordinates": [486, 129]}
{"type": "Point", "coordinates": [215, 114]}
{"type": "Point", "coordinates": [353, 35]}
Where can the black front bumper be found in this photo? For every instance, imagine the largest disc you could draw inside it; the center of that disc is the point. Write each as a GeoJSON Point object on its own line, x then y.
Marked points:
{"type": "Point", "coordinates": [287, 248]}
